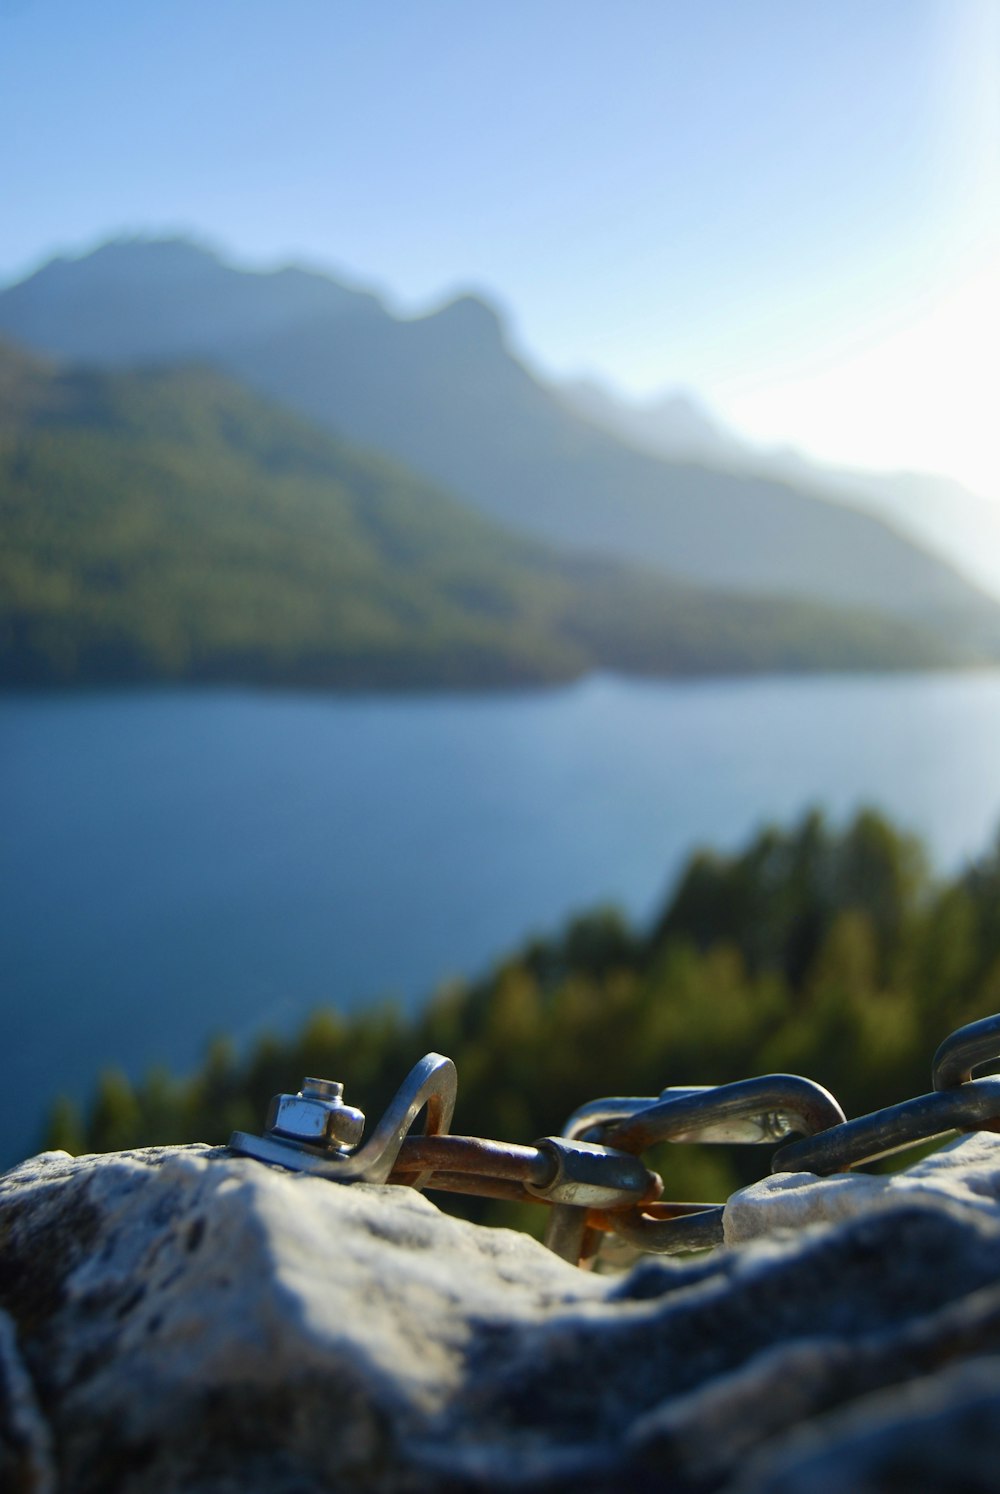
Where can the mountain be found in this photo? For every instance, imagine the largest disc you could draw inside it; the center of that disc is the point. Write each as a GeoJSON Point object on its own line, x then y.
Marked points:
{"type": "Point", "coordinates": [675, 426]}
{"type": "Point", "coordinates": [445, 395]}
{"type": "Point", "coordinates": [935, 512]}
{"type": "Point", "coordinates": [168, 524]}
{"type": "Point", "coordinates": [161, 300]}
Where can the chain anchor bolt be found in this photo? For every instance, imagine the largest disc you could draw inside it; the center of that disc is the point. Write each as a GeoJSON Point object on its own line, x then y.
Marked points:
{"type": "Point", "coordinates": [316, 1117]}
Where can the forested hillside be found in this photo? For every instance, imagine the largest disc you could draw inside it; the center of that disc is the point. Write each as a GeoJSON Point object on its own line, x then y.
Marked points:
{"type": "Point", "coordinates": [168, 525]}
{"type": "Point", "coordinates": [448, 396]}
{"type": "Point", "coordinates": [827, 953]}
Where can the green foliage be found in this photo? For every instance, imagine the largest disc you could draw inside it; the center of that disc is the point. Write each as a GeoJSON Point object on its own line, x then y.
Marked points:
{"type": "Point", "coordinates": [778, 901]}
{"type": "Point", "coordinates": [444, 395]}
{"type": "Point", "coordinates": [168, 525]}
{"type": "Point", "coordinates": [824, 953]}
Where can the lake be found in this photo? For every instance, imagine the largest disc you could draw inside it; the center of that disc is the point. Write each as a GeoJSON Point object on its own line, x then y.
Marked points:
{"type": "Point", "coordinates": [181, 863]}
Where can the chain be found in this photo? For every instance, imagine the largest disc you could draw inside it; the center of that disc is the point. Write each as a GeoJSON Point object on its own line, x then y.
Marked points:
{"type": "Point", "coordinates": [592, 1176]}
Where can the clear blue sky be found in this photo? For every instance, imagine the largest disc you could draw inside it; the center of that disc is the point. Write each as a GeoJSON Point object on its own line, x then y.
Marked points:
{"type": "Point", "coordinates": [786, 204]}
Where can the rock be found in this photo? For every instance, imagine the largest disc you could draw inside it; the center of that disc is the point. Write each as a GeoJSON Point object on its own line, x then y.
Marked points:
{"type": "Point", "coordinates": [26, 1460]}
{"type": "Point", "coordinates": [968, 1170]}
{"type": "Point", "coordinates": [182, 1319]}
{"type": "Point", "coordinates": [936, 1433]}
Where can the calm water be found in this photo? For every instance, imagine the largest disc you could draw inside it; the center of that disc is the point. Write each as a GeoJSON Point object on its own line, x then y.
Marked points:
{"type": "Point", "coordinates": [178, 864]}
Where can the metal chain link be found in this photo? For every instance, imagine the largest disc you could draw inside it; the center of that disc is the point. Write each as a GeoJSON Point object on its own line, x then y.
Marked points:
{"type": "Point", "coordinates": [592, 1175]}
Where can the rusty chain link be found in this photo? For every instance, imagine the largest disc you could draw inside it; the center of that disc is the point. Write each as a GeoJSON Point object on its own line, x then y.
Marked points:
{"type": "Point", "coordinates": [592, 1176]}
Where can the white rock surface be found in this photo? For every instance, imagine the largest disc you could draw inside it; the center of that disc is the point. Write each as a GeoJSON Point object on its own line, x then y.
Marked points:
{"type": "Point", "coordinates": [180, 1319]}
{"type": "Point", "coordinates": [967, 1170]}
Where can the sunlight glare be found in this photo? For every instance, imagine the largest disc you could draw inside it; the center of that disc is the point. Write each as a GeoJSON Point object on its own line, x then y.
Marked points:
{"type": "Point", "coordinates": [923, 398]}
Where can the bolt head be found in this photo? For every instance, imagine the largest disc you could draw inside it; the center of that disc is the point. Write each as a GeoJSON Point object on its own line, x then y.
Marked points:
{"type": "Point", "coordinates": [323, 1089]}
{"type": "Point", "coordinates": [316, 1121]}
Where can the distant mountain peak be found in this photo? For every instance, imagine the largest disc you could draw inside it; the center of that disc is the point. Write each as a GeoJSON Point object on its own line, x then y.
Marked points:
{"type": "Point", "coordinates": [174, 246]}
{"type": "Point", "coordinates": [661, 480]}
{"type": "Point", "coordinates": [687, 414]}
{"type": "Point", "coordinates": [675, 424]}
{"type": "Point", "coordinates": [139, 255]}
{"type": "Point", "coordinates": [472, 316]}
{"type": "Point", "coordinates": [681, 401]}
{"type": "Point", "coordinates": [149, 299]}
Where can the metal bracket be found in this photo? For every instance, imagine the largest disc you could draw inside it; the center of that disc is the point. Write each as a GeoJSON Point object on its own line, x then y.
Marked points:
{"type": "Point", "coordinates": [432, 1083]}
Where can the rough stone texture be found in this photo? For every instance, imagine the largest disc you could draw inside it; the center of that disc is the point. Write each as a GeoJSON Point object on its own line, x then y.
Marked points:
{"type": "Point", "coordinates": [791, 1200]}
{"type": "Point", "coordinates": [179, 1319]}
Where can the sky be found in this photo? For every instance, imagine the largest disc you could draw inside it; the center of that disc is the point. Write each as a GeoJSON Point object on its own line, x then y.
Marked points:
{"type": "Point", "coordinates": [790, 207]}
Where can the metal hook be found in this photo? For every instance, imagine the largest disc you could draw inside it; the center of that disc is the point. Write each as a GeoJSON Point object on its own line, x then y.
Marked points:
{"type": "Point", "coordinates": [746, 1113]}
{"type": "Point", "coordinates": [433, 1083]}
{"type": "Point", "coordinates": [964, 1050]}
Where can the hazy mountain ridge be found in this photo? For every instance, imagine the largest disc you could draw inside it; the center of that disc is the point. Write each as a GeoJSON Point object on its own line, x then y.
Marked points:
{"type": "Point", "coordinates": [144, 301]}
{"type": "Point", "coordinates": [676, 425]}
{"type": "Point", "coordinates": [444, 395]}
{"type": "Point", "coordinates": [934, 511]}
{"type": "Point", "coordinates": [167, 524]}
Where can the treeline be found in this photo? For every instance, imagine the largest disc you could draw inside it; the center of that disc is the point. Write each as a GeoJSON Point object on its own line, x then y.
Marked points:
{"type": "Point", "coordinates": [168, 526]}
{"type": "Point", "coordinates": [816, 951]}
